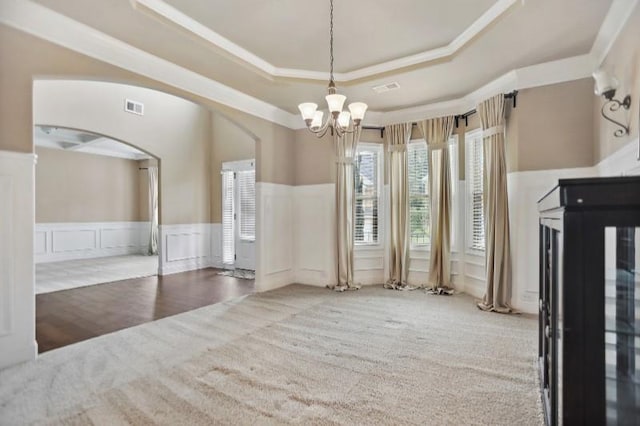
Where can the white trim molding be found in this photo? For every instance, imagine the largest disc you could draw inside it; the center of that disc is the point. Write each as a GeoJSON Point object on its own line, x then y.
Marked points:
{"type": "Point", "coordinates": [17, 302]}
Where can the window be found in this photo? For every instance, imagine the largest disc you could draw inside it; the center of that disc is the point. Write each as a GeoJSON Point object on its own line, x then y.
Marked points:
{"type": "Point", "coordinates": [453, 168]}
{"type": "Point", "coordinates": [247, 190]}
{"type": "Point", "coordinates": [368, 183]}
{"type": "Point", "coordinates": [475, 190]}
{"type": "Point", "coordinates": [419, 209]}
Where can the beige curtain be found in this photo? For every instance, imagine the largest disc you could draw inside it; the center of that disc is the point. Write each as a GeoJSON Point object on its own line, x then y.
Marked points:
{"type": "Point", "coordinates": [398, 136]}
{"type": "Point", "coordinates": [345, 149]}
{"type": "Point", "coordinates": [496, 208]}
{"type": "Point", "coordinates": [437, 132]}
{"type": "Point", "coordinates": [153, 211]}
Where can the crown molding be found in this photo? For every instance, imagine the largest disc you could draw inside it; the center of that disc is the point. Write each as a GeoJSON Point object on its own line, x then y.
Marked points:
{"type": "Point", "coordinates": [613, 23]}
{"type": "Point", "coordinates": [54, 27]}
{"type": "Point", "coordinates": [46, 24]}
{"type": "Point", "coordinates": [171, 15]}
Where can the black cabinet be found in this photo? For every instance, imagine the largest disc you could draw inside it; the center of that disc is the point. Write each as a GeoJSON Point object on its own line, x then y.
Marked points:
{"type": "Point", "coordinates": [589, 322]}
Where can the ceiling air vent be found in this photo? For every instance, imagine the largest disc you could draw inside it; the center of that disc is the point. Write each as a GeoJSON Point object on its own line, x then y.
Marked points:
{"type": "Point", "coordinates": [386, 87]}
{"type": "Point", "coordinates": [134, 107]}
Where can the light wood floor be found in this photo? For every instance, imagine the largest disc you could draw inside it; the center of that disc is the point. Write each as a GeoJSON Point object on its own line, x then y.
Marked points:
{"type": "Point", "coordinates": [70, 316]}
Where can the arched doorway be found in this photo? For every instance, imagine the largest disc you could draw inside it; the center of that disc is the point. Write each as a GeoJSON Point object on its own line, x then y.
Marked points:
{"type": "Point", "coordinates": [96, 210]}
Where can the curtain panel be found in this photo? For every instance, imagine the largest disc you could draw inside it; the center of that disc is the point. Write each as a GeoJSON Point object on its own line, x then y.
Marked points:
{"type": "Point", "coordinates": [437, 132]}
{"type": "Point", "coordinates": [153, 211]}
{"type": "Point", "coordinates": [398, 136]}
{"type": "Point", "coordinates": [345, 150]}
{"type": "Point", "coordinates": [496, 208]}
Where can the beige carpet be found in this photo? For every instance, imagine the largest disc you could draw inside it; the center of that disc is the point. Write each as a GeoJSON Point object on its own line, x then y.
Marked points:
{"type": "Point", "coordinates": [295, 355]}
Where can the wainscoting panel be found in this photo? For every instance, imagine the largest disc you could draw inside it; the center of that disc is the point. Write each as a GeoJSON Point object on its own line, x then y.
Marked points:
{"type": "Point", "coordinates": [185, 247]}
{"type": "Point", "coordinates": [525, 189]}
{"type": "Point", "coordinates": [6, 255]}
{"type": "Point", "coordinates": [17, 301]}
{"type": "Point", "coordinates": [274, 237]}
{"type": "Point", "coordinates": [74, 240]}
{"type": "Point", "coordinates": [314, 234]}
{"type": "Point", "coordinates": [216, 245]}
{"type": "Point", "coordinates": [56, 242]}
{"type": "Point", "coordinates": [113, 238]}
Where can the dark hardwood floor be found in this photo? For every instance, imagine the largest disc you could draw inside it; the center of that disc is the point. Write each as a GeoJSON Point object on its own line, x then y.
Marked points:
{"type": "Point", "coordinates": [70, 316]}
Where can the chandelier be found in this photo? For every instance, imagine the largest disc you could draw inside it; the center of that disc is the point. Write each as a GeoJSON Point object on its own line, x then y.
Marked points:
{"type": "Point", "coordinates": [338, 119]}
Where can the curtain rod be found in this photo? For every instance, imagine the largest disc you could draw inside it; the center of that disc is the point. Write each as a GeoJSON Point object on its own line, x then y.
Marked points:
{"type": "Point", "coordinates": [511, 95]}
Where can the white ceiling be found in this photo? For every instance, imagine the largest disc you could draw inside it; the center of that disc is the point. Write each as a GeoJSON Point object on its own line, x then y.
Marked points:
{"type": "Point", "coordinates": [88, 143]}
{"type": "Point", "coordinates": [293, 33]}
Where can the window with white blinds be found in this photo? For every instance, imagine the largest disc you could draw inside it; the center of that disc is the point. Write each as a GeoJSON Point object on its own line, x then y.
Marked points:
{"type": "Point", "coordinates": [475, 190]}
{"type": "Point", "coordinates": [228, 237]}
{"type": "Point", "coordinates": [247, 214]}
{"type": "Point", "coordinates": [368, 182]}
{"type": "Point", "coordinates": [453, 168]}
{"type": "Point", "coordinates": [419, 209]}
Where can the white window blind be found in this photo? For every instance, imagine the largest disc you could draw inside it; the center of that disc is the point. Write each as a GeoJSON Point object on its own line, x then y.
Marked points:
{"type": "Point", "coordinates": [247, 190]}
{"type": "Point", "coordinates": [475, 190]}
{"type": "Point", "coordinates": [419, 209]}
{"type": "Point", "coordinates": [367, 183]}
{"type": "Point", "coordinates": [453, 168]}
{"type": "Point", "coordinates": [228, 240]}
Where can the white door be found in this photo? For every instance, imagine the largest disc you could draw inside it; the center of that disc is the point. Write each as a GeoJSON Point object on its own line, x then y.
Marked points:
{"type": "Point", "coordinates": [239, 214]}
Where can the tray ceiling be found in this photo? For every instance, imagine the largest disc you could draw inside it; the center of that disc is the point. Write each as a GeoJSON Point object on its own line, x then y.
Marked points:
{"type": "Point", "coordinates": [293, 33]}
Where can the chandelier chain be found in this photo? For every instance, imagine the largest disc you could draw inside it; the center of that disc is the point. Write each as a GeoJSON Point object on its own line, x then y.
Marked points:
{"type": "Point", "coordinates": [331, 40]}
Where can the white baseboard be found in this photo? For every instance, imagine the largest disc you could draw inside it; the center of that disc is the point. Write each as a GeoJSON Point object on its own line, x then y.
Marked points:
{"type": "Point", "coordinates": [54, 242]}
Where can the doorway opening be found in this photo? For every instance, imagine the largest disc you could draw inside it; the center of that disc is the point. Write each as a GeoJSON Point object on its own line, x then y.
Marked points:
{"type": "Point", "coordinates": [97, 205]}
{"type": "Point", "coordinates": [239, 218]}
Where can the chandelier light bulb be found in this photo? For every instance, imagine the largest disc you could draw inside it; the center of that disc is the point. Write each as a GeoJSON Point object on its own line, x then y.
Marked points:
{"type": "Point", "coordinates": [357, 110]}
{"type": "Point", "coordinates": [316, 123]}
{"type": "Point", "coordinates": [335, 102]}
{"type": "Point", "coordinates": [343, 119]}
{"type": "Point", "coordinates": [307, 110]}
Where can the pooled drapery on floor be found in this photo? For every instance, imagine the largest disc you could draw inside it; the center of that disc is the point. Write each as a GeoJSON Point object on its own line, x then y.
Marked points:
{"type": "Point", "coordinates": [345, 150]}
{"type": "Point", "coordinates": [398, 136]}
{"type": "Point", "coordinates": [153, 211]}
{"type": "Point", "coordinates": [496, 208]}
{"type": "Point", "coordinates": [437, 132]}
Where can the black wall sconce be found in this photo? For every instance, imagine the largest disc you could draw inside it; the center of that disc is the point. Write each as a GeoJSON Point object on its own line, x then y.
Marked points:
{"type": "Point", "coordinates": [606, 86]}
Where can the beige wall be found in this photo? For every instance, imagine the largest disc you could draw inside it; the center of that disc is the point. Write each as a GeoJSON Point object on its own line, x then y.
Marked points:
{"type": "Point", "coordinates": [315, 158]}
{"type": "Point", "coordinates": [173, 129]}
{"type": "Point", "coordinates": [79, 187]}
{"type": "Point", "coordinates": [623, 62]}
{"type": "Point", "coordinates": [38, 58]}
{"type": "Point", "coordinates": [554, 127]}
{"type": "Point", "coordinates": [230, 142]}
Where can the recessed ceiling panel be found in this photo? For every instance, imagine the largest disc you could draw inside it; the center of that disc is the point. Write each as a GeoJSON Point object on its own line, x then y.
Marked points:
{"type": "Point", "coordinates": [295, 33]}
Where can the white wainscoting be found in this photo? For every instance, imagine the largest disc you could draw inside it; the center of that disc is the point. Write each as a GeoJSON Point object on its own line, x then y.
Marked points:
{"type": "Point", "coordinates": [314, 230]}
{"type": "Point", "coordinates": [525, 189]}
{"type": "Point", "coordinates": [17, 301]}
{"type": "Point", "coordinates": [216, 245]}
{"type": "Point", "coordinates": [185, 247]}
{"type": "Point", "coordinates": [54, 242]}
{"type": "Point", "coordinates": [274, 236]}
{"type": "Point", "coordinates": [623, 162]}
